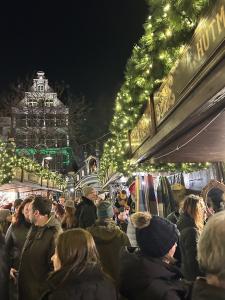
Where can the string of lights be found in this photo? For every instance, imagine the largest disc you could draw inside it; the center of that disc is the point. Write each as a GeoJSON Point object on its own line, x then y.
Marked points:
{"type": "Point", "coordinates": [192, 138]}
{"type": "Point", "coordinates": [96, 140]}
{"type": "Point", "coordinates": [9, 161]}
{"type": "Point", "coordinates": [168, 28]}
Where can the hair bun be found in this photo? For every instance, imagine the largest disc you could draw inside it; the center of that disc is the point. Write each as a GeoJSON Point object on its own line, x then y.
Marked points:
{"type": "Point", "coordinates": [141, 219]}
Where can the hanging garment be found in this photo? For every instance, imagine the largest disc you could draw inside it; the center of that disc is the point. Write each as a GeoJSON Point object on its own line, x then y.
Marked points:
{"type": "Point", "coordinates": [165, 196]}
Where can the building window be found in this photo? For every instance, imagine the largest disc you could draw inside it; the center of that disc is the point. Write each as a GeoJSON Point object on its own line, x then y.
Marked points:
{"type": "Point", "coordinates": [49, 102]}
{"type": "Point", "coordinates": [32, 102]}
{"type": "Point", "coordinates": [40, 88]}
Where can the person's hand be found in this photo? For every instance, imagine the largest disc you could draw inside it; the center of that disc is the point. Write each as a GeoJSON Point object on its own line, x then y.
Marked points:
{"type": "Point", "coordinates": [13, 274]}
{"type": "Point", "coordinates": [13, 219]}
{"type": "Point", "coordinates": [116, 210]}
{"type": "Point", "coordinates": [209, 212]}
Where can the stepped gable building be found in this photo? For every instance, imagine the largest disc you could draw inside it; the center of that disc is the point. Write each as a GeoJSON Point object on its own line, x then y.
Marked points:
{"type": "Point", "coordinates": [40, 125]}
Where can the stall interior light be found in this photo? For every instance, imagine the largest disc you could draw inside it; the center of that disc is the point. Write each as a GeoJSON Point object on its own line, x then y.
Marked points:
{"type": "Point", "coordinates": [48, 158]}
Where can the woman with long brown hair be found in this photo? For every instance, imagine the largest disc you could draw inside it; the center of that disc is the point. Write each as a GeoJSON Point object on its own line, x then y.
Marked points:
{"type": "Point", "coordinates": [15, 239]}
{"type": "Point", "coordinates": [77, 271]}
{"type": "Point", "coordinates": [69, 219]}
{"type": "Point", "coordinates": [190, 224]}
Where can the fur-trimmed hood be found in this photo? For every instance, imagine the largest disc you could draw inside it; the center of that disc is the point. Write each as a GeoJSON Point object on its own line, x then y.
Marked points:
{"type": "Point", "coordinates": [105, 232]}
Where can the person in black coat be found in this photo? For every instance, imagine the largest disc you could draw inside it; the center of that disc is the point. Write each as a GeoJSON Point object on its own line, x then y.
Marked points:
{"type": "Point", "coordinates": [78, 274]}
{"type": "Point", "coordinates": [211, 258]}
{"type": "Point", "coordinates": [4, 270]}
{"type": "Point", "coordinates": [149, 273]}
{"type": "Point", "coordinates": [15, 239]}
{"type": "Point", "coordinates": [190, 225]}
{"type": "Point", "coordinates": [35, 263]}
{"type": "Point", "coordinates": [86, 212]}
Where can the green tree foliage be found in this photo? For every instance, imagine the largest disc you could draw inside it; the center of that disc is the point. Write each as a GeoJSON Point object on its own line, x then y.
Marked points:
{"type": "Point", "coordinates": [168, 28]}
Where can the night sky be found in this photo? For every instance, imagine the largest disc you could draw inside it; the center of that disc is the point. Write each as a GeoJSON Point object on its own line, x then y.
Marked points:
{"type": "Point", "coordinates": [84, 43]}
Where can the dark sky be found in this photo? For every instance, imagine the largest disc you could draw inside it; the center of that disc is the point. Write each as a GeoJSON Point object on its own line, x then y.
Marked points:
{"type": "Point", "coordinates": [84, 43]}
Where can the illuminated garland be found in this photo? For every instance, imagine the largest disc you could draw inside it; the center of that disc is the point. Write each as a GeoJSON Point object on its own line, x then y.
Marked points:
{"type": "Point", "coordinates": [169, 27]}
{"type": "Point", "coordinates": [9, 161]}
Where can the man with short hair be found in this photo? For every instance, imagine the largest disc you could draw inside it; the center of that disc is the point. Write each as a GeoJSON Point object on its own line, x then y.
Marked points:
{"type": "Point", "coordinates": [62, 200]}
{"type": "Point", "coordinates": [86, 209]}
{"type": "Point", "coordinates": [38, 249]}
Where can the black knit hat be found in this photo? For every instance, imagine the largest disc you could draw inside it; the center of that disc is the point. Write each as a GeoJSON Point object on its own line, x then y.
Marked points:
{"type": "Point", "coordinates": [157, 238]}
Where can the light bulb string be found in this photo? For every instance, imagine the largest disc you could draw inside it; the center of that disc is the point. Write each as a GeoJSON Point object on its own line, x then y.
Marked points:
{"type": "Point", "coordinates": [192, 138]}
{"type": "Point", "coordinates": [95, 140]}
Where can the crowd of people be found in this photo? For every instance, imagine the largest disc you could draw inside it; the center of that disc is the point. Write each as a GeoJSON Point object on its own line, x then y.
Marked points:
{"type": "Point", "coordinates": [102, 249]}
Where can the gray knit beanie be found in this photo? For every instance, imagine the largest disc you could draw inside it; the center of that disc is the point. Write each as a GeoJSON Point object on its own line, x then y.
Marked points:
{"type": "Point", "coordinates": [105, 210]}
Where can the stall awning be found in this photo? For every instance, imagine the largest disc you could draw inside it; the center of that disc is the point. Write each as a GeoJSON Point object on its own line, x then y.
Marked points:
{"type": "Point", "coordinates": [205, 142]}
{"type": "Point", "coordinates": [203, 108]}
{"type": "Point", "coordinates": [23, 187]}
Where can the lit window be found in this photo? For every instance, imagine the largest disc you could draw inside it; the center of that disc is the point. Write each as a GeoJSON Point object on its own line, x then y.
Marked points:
{"type": "Point", "coordinates": [40, 88]}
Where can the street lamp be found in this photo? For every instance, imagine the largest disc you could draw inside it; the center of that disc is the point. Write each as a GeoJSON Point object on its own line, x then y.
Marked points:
{"type": "Point", "coordinates": [45, 158]}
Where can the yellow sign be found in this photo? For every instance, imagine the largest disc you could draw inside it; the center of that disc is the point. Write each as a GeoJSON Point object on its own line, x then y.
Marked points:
{"type": "Point", "coordinates": [142, 130]}
{"type": "Point", "coordinates": [208, 38]}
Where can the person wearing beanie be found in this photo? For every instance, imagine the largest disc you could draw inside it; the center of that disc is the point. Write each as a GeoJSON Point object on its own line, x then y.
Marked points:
{"type": "Point", "coordinates": [86, 209]}
{"type": "Point", "coordinates": [149, 273]}
{"type": "Point", "coordinates": [109, 239]}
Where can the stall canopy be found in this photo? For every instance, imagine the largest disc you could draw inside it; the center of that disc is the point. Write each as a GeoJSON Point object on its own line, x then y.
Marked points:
{"type": "Point", "coordinates": [24, 187]}
{"type": "Point", "coordinates": [187, 113]}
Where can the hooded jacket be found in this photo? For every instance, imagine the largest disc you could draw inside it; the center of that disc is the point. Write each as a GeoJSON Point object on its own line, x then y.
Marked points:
{"type": "Point", "coordinates": [204, 291]}
{"type": "Point", "coordinates": [109, 240]}
{"type": "Point", "coordinates": [189, 235]}
{"type": "Point", "coordinates": [92, 284]}
{"type": "Point", "coordinates": [36, 259]}
{"type": "Point", "coordinates": [145, 278]}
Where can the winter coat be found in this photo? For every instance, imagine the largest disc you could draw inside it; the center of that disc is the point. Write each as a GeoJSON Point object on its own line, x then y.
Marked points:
{"type": "Point", "coordinates": [189, 235]}
{"type": "Point", "coordinates": [4, 271]}
{"type": "Point", "coordinates": [131, 233]}
{"type": "Point", "coordinates": [147, 278]}
{"type": "Point", "coordinates": [204, 291]}
{"type": "Point", "coordinates": [86, 213]}
{"type": "Point", "coordinates": [173, 217]}
{"type": "Point", "coordinates": [109, 240]}
{"type": "Point", "coordinates": [36, 256]}
{"type": "Point", "coordinates": [15, 239]}
{"type": "Point", "coordinates": [92, 284]}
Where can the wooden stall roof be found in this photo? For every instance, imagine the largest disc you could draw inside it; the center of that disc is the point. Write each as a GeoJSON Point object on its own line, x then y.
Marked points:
{"type": "Point", "coordinates": [23, 187]}
{"type": "Point", "coordinates": [205, 142]}
{"type": "Point", "coordinates": [196, 111]}
{"type": "Point", "coordinates": [187, 111]}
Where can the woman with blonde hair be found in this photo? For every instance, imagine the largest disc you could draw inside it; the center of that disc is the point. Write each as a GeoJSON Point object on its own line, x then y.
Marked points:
{"type": "Point", "coordinates": [211, 258]}
{"type": "Point", "coordinates": [77, 271]}
{"type": "Point", "coordinates": [190, 225]}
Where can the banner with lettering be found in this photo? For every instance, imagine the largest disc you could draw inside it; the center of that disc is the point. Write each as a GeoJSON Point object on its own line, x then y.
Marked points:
{"type": "Point", "coordinates": [208, 38]}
